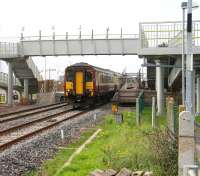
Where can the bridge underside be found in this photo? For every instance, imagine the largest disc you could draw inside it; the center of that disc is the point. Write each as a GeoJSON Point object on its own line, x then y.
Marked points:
{"type": "Point", "coordinates": [172, 68]}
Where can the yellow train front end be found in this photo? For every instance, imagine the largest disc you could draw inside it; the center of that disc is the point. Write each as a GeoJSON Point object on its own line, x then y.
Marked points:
{"type": "Point", "coordinates": [79, 85]}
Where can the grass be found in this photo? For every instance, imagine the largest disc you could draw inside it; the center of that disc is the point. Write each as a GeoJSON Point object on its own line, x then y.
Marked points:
{"type": "Point", "coordinates": [117, 146]}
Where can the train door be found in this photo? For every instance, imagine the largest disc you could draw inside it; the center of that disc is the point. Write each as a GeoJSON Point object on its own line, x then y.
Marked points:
{"type": "Point", "coordinates": [79, 82]}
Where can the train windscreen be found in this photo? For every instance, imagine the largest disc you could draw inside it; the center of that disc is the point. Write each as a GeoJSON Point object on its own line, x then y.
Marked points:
{"type": "Point", "coordinates": [88, 77]}
{"type": "Point", "coordinates": [70, 75]}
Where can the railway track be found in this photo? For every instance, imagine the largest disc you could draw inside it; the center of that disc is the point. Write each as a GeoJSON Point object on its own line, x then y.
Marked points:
{"type": "Point", "coordinates": [2, 115]}
{"type": "Point", "coordinates": [28, 112]}
{"type": "Point", "coordinates": [14, 135]}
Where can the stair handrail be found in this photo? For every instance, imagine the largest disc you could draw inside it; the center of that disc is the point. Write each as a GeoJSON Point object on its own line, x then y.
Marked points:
{"type": "Point", "coordinates": [34, 69]}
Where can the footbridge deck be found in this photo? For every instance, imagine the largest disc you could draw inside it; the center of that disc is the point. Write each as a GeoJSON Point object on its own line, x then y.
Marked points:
{"type": "Point", "coordinates": [154, 38]}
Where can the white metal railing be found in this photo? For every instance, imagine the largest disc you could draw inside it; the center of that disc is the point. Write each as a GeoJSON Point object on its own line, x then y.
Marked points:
{"type": "Point", "coordinates": [164, 34]}
{"type": "Point", "coordinates": [80, 36]}
{"type": "Point", "coordinates": [176, 41]}
{"type": "Point", "coordinates": [4, 79]}
{"type": "Point", "coordinates": [34, 69]}
{"type": "Point", "coordinates": [8, 50]}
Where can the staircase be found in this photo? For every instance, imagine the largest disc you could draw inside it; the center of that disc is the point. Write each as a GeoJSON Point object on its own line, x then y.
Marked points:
{"type": "Point", "coordinates": [175, 72]}
{"type": "Point", "coordinates": [24, 68]}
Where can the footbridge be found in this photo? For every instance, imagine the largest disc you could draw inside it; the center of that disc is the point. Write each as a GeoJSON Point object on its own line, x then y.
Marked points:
{"type": "Point", "coordinates": [160, 43]}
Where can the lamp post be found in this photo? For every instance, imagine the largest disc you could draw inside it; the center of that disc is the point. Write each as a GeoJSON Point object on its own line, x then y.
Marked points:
{"type": "Point", "coordinates": [184, 6]}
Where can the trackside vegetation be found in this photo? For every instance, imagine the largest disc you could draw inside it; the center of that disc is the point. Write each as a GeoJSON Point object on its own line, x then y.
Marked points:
{"type": "Point", "coordinates": [118, 146]}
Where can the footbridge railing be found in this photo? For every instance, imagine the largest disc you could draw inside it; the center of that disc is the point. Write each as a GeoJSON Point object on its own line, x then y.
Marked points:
{"type": "Point", "coordinates": [9, 50]}
{"type": "Point", "coordinates": [34, 69]}
{"type": "Point", "coordinates": [166, 34]}
{"type": "Point", "coordinates": [80, 36]}
{"type": "Point", "coordinates": [89, 44]}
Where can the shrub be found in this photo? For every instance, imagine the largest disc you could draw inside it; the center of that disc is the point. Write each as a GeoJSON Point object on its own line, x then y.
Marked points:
{"type": "Point", "coordinates": [164, 147]}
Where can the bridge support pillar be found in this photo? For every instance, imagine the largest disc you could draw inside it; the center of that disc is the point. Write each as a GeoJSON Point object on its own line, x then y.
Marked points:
{"type": "Point", "coordinates": [198, 93]}
{"type": "Point", "coordinates": [10, 84]}
{"type": "Point", "coordinates": [159, 88]}
{"type": "Point", "coordinates": [26, 93]}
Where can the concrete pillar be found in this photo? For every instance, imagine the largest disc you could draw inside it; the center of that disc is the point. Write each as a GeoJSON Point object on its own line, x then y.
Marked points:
{"type": "Point", "coordinates": [170, 114]}
{"type": "Point", "coordinates": [159, 88]}
{"type": "Point", "coordinates": [10, 84]}
{"type": "Point", "coordinates": [26, 94]}
{"type": "Point", "coordinates": [198, 93]}
{"type": "Point", "coordinates": [186, 143]}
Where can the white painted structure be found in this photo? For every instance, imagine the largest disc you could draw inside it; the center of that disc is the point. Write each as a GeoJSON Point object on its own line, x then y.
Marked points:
{"type": "Point", "coordinates": [174, 72]}
{"type": "Point", "coordinates": [160, 88]}
{"type": "Point", "coordinates": [186, 141]}
{"type": "Point", "coordinates": [80, 47]}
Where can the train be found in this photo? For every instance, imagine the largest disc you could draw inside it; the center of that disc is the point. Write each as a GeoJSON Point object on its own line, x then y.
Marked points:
{"type": "Point", "coordinates": [85, 84]}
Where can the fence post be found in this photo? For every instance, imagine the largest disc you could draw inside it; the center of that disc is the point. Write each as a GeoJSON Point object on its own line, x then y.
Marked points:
{"type": "Point", "coordinates": [170, 114]}
{"type": "Point", "coordinates": [153, 112]}
{"type": "Point", "coordinates": [186, 144]}
{"type": "Point", "coordinates": [137, 112]}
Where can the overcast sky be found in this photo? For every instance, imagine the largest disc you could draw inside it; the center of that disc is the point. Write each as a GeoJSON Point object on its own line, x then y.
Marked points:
{"type": "Point", "coordinates": [68, 15]}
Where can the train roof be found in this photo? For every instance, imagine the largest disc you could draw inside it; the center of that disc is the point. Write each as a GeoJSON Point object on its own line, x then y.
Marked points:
{"type": "Point", "coordinates": [82, 64]}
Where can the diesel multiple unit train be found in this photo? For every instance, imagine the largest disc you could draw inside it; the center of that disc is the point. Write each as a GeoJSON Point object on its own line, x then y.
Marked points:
{"type": "Point", "coordinates": [87, 84]}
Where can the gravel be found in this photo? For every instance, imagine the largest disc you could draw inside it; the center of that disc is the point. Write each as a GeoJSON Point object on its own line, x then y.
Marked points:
{"type": "Point", "coordinates": [29, 154]}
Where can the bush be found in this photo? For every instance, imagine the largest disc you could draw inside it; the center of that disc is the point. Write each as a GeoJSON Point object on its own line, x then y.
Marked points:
{"type": "Point", "coordinates": [153, 150]}
{"type": "Point", "coordinates": [164, 147]}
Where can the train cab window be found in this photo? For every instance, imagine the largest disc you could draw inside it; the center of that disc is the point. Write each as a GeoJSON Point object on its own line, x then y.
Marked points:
{"type": "Point", "coordinates": [88, 77]}
{"type": "Point", "coordinates": [70, 75]}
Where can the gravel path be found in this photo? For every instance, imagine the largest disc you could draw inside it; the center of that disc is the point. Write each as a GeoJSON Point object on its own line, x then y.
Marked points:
{"type": "Point", "coordinates": [30, 154]}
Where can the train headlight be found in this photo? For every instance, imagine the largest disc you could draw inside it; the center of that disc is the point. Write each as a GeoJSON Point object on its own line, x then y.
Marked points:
{"type": "Point", "coordinates": [91, 92]}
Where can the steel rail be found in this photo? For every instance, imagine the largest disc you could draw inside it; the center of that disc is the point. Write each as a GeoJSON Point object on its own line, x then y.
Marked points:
{"type": "Point", "coordinates": [26, 110]}
{"type": "Point", "coordinates": [40, 110]}
{"type": "Point", "coordinates": [23, 137]}
{"type": "Point", "coordinates": [26, 124]}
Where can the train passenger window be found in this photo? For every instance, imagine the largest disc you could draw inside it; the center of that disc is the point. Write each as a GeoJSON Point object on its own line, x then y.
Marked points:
{"type": "Point", "coordinates": [88, 77]}
{"type": "Point", "coordinates": [70, 75]}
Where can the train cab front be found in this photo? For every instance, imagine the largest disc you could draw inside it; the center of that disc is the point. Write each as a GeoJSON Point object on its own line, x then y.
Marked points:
{"type": "Point", "coordinates": [79, 87]}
